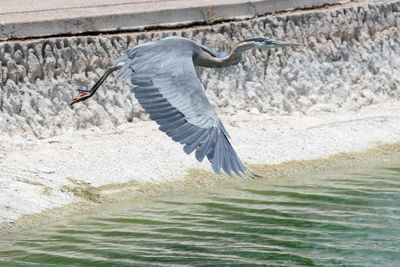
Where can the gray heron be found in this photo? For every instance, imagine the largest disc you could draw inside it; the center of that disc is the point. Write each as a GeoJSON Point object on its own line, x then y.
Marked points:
{"type": "Point", "coordinates": [167, 87]}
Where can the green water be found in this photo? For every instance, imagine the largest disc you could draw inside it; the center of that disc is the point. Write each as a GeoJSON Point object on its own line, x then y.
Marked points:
{"type": "Point", "coordinates": [347, 218]}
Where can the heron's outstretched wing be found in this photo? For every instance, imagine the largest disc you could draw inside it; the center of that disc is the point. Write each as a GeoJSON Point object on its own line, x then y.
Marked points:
{"type": "Point", "coordinates": [169, 90]}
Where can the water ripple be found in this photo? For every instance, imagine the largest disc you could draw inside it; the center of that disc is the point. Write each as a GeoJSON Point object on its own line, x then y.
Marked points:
{"type": "Point", "coordinates": [344, 219]}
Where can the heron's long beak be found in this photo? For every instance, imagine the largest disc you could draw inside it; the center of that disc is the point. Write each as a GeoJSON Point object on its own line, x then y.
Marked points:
{"type": "Point", "coordinates": [282, 43]}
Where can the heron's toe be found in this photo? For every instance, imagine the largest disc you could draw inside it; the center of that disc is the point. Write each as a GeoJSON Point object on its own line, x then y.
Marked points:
{"type": "Point", "coordinates": [80, 97]}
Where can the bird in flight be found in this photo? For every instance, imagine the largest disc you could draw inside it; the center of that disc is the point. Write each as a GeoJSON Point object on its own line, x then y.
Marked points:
{"type": "Point", "coordinates": [167, 87]}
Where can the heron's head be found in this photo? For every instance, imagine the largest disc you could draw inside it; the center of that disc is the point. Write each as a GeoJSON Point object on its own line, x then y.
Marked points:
{"type": "Point", "coordinates": [266, 43]}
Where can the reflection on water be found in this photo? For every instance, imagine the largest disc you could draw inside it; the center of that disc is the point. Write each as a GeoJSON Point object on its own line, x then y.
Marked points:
{"type": "Point", "coordinates": [350, 219]}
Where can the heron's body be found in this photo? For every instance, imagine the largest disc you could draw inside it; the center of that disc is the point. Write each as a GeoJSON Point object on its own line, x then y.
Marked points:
{"type": "Point", "coordinates": [167, 87]}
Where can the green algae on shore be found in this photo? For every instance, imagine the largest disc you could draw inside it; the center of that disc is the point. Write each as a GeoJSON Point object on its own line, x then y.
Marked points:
{"type": "Point", "coordinates": [89, 197]}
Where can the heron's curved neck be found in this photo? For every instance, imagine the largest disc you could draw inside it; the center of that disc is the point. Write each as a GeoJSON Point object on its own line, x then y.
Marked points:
{"type": "Point", "coordinates": [233, 58]}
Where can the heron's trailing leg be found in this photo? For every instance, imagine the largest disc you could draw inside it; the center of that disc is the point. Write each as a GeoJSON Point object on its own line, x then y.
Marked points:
{"type": "Point", "coordinates": [85, 94]}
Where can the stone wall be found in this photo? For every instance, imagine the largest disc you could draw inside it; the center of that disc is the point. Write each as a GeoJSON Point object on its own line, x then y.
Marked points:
{"type": "Point", "coordinates": [350, 58]}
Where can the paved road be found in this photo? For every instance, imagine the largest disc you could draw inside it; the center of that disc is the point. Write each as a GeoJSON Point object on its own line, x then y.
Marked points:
{"type": "Point", "coordinates": [38, 18]}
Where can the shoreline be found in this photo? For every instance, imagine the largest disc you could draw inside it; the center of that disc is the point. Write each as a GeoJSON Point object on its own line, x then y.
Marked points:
{"type": "Point", "coordinates": [198, 179]}
{"type": "Point", "coordinates": [292, 145]}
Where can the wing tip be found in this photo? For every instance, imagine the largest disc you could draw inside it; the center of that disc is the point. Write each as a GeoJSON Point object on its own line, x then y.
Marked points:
{"type": "Point", "coordinates": [253, 176]}
{"type": "Point", "coordinates": [246, 174]}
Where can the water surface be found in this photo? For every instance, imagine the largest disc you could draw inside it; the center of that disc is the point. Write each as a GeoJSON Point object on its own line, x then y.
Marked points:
{"type": "Point", "coordinates": [345, 218]}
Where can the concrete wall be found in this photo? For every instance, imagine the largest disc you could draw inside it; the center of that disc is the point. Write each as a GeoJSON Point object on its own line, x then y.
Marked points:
{"type": "Point", "coordinates": [96, 16]}
{"type": "Point", "coordinates": [350, 58]}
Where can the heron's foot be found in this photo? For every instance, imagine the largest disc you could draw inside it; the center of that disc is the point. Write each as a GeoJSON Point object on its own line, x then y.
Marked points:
{"type": "Point", "coordinates": [83, 95]}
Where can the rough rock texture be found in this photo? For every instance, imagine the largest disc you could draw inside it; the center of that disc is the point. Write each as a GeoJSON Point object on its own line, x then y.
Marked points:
{"type": "Point", "coordinates": [350, 58]}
